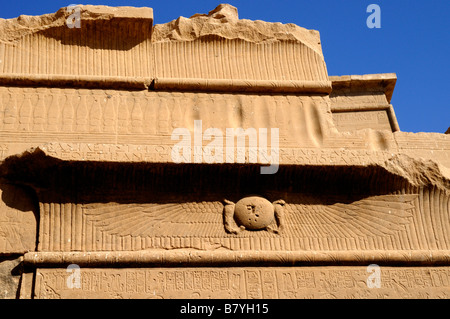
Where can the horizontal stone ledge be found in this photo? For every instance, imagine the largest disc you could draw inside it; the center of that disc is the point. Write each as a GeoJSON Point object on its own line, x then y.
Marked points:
{"type": "Point", "coordinates": [162, 84]}
{"type": "Point", "coordinates": [161, 154]}
{"type": "Point", "coordinates": [75, 81]}
{"type": "Point", "coordinates": [241, 85]}
{"type": "Point", "coordinates": [344, 108]}
{"type": "Point", "coordinates": [384, 82]}
{"type": "Point", "coordinates": [189, 257]}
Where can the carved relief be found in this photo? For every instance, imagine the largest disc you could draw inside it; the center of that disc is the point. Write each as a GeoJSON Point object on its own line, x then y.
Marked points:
{"type": "Point", "coordinates": [133, 47]}
{"type": "Point", "coordinates": [11, 113]}
{"type": "Point", "coordinates": [25, 113]}
{"type": "Point", "coordinates": [303, 222]}
{"type": "Point", "coordinates": [54, 112]}
{"type": "Point", "coordinates": [17, 220]}
{"type": "Point", "coordinates": [96, 107]}
{"type": "Point", "coordinates": [68, 115]}
{"type": "Point", "coordinates": [358, 120]}
{"type": "Point", "coordinates": [246, 283]}
{"type": "Point", "coordinates": [253, 213]}
{"type": "Point", "coordinates": [44, 113]}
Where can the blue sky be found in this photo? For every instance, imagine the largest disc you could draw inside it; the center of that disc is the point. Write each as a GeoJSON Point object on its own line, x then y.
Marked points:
{"type": "Point", "coordinates": [413, 42]}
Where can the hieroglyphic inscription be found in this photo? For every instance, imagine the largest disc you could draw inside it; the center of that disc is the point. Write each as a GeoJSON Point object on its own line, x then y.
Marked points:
{"type": "Point", "coordinates": [331, 156]}
{"type": "Point", "coordinates": [350, 121]}
{"type": "Point", "coordinates": [138, 153]}
{"type": "Point", "coordinates": [109, 152]}
{"type": "Point", "coordinates": [270, 282]}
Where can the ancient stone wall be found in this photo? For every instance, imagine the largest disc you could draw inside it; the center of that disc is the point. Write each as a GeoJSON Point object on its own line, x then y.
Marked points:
{"type": "Point", "coordinates": [89, 178]}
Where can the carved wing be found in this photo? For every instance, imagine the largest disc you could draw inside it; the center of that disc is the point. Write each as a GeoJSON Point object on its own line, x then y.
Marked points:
{"type": "Point", "coordinates": [371, 216]}
{"type": "Point", "coordinates": [154, 219]}
{"type": "Point", "coordinates": [304, 216]}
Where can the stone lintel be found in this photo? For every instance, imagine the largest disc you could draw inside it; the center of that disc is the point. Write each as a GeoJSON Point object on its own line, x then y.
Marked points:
{"type": "Point", "coordinates": [164, 84]}
{"type": "Point", "coordinates": [384, 82]}
{"type": "Point", "coordinates": [231, 85]}
{"type": "Point", "coordinates": [154, 258]}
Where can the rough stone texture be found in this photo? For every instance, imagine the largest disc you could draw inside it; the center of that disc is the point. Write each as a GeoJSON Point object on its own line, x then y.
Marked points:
{"type": "Point", "coordinates": [361, 102]}
{"type": "Point", "coordinates": [10, 271]}
{"type": "Point", "coordinates": [18, 211]}
{"type": "Point", "coordinates": [12, 30]}
{"type": "Point", "coordinates": [122, 43]}
{"type": "Point", "coordinates": [88, 175]}
{"type": "Point", "coordinates": [224, 22]}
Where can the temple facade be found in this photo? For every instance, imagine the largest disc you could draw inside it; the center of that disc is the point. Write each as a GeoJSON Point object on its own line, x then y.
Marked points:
{"type": "Point", "coordinates": [208, 157]}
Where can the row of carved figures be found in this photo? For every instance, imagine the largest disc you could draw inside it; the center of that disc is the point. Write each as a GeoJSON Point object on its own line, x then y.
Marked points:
{"type": "Point", "coordinates": [86, 113]}
{"type": "Point", "coordinates": [106, 112]}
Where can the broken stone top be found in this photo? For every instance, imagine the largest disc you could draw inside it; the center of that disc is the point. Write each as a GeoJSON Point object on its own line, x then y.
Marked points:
{"type": "Point", "coordinates": [213, 46]}
{"type": "Point", "coordinates": [108, 162]}
{"type": "Point", "coordinates": [224, 12]}
{"type": "Point", "coordinates": [224, 22]}
{"type": "Point", "coordinates": [14, 29]}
